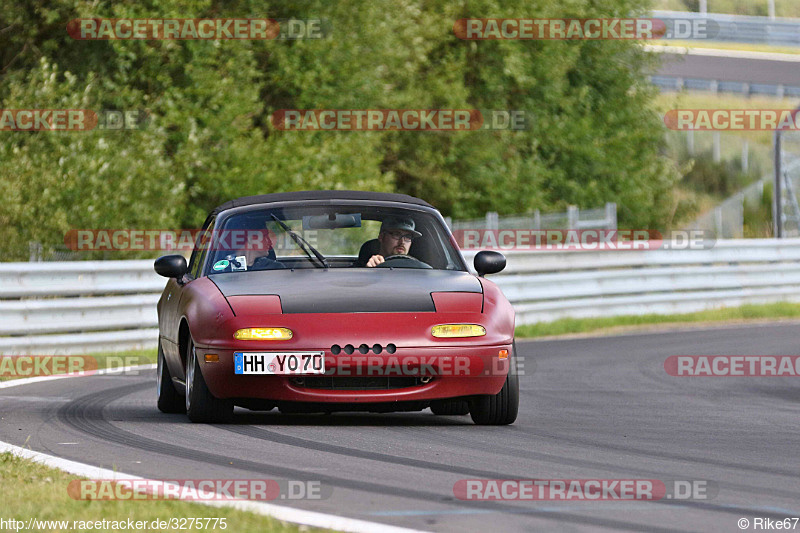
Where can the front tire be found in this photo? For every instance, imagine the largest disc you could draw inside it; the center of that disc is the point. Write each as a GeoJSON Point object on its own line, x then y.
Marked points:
{"type": "Point", "coordinates": [201, 405]}
{"type": "Point", "coordinates": [169, 400]}
{"type": "Point", "coordinates": [501, 408]}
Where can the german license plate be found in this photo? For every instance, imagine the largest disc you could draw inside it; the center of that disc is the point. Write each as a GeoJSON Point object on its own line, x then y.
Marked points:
{"type": "Point", "coordinates": [279, 363]}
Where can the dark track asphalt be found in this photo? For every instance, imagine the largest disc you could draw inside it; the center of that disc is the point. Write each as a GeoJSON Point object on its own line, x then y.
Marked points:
{"type": "Point", "coordinates": [591, 408]}
{"type": "Point", "coordinates": [730, 69]}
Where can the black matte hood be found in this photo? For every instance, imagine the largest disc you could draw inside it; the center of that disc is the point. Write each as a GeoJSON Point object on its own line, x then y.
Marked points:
{"type": "Point", "coordinates": [360, 290]}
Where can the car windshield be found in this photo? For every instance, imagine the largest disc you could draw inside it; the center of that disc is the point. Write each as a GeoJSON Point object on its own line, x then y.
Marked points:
{"type": "Point", "coordinates": [329, 236]}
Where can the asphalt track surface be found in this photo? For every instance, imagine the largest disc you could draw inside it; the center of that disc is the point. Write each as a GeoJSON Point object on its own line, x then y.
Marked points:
{"type": "Point", "coordinates": [730, 69]}
{"type": "Point", "coordinates": [591, 408]}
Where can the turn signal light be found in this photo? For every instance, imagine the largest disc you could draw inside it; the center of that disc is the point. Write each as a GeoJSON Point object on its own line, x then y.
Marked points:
{"type": "Point", "coordinates": [263, 334]}
{"type": "Point", "coordinates": [458, 330]}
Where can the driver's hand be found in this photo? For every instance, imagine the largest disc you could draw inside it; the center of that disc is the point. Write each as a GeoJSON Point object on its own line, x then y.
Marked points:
{"type": "Point", "coordinates": [375, 260]}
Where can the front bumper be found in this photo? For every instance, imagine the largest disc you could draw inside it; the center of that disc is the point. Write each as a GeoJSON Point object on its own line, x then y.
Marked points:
{"type": "Point", "coordinates": [452, 372]}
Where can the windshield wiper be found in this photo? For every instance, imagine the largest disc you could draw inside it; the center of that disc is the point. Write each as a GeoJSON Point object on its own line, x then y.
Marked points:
{"type": "Point", "coordinates": [302, 243]}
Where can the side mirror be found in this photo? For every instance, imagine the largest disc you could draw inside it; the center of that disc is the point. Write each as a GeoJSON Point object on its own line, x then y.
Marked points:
{"type": "Point", "coordinates": [171, 266]}
{"type": "Point", "coordinates": [487, 262]}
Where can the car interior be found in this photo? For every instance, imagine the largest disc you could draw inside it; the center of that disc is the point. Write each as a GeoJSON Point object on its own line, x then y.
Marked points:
{"type": "Point", "coordinates": [429, 249]}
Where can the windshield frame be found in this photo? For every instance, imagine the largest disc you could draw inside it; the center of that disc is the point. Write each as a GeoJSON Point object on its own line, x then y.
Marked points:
{"type": "Point", "coordinates": [457, 256]}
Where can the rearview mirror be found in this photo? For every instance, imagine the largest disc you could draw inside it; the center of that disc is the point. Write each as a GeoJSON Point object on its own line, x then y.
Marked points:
{"type": "Point", "coordinates": [332, 221]}
{"type": "Point", "coordinates": [487, 262]}
{"type": "Point", "coordinates": [171, 266]}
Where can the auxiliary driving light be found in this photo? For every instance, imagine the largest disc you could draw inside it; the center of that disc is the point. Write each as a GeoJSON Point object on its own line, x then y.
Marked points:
{"type": "Point", "coordinates": [458, 330]}
{"type": "Point", "coordinates": [263, 334]}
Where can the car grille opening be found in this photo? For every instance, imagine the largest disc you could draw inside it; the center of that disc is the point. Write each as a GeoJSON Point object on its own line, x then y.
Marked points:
{"type": "Point", "coordinates": [359, 382]}
{"type": "Point", "coordinates": [364, 348]}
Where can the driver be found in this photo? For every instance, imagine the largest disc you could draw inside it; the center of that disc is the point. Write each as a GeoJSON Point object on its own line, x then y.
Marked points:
{"type": "Point", "coordinates": [395, 239]}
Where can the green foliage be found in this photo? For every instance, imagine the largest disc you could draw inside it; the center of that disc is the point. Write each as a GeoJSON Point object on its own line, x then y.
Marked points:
{"type": "Point", "coordinates": [610, 325]}
{"type": "Point", "coordinates": [721, 178]}
{"type": "Point", "coordinates": [593, 134]}
{"type": "Point", "coordinates": [757, 216]}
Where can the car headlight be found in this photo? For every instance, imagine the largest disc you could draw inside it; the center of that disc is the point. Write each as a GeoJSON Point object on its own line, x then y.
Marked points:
{"type": "Point", "coordinates": [263, 334]}
{"type": "Point", "coordinates": [458, 330]}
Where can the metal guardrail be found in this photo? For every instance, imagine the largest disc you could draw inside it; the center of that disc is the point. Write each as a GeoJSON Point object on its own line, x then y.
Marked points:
{"type": "Point", "coordinates": [574, 218]}
{"type": "Point", "coordinates": [81, 307]}
{"type": "Point", "coordinates": [740, 29]}
{"type": "Point", "coordinates": [78, 306]}
{"type": "Point", "coordinates": [673, 83]}
{"type": "Point", "coordinates": [545, 286]}
{"type": "Point", "coordinates": [743, 29]}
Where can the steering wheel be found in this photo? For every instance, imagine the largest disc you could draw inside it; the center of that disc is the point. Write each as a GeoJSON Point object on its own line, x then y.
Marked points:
{"type": "Point", "coordinates": [403, 261]}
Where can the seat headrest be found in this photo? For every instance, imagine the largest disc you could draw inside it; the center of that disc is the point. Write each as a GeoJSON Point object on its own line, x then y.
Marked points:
{"type": "Point", "coordinates": [368, 249]}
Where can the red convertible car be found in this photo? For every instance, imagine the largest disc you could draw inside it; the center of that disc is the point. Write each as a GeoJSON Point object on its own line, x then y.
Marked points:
{"type": "Point", "coordinates": [325, 301]}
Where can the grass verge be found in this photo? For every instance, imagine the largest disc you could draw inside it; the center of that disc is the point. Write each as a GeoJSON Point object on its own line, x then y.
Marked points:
{"type": "Point", "coordinates": [706, 182]}
{"type": "Point", "coordinates": [724, 45]}
{"type": "Point", "coordinates": [616, 324]}
{"type": "Point", "coordinates": [760, 141]}
{"type": "Point", "coordinates": [31, 490]}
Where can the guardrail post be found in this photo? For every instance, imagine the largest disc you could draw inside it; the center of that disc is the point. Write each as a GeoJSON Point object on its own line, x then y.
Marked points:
{"type": "Point", "coordinates": [572, 216]}
{"type": "Point", "coordinates": [745, 155]}
{"type": "Point", "coordinates": [690, 142]}
{"type": "Point", "coordinates": [611, 215]}
{"type": "Point", "coordinates": [717, 151]}
{"type": "Point", "coordinates": [35, 251]}
{"type": "Point", "coordinates": [537, 219]}
{"type": "Point", "coordinates": [777, 208]}
{"type": "Point", "coordinates": [740, 219]}
{"type": "Point", "coordinates": [492, 220]}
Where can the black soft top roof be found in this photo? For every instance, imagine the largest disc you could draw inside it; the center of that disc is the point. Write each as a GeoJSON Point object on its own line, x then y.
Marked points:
{"type": "Point", "coordinates": [320, 195]}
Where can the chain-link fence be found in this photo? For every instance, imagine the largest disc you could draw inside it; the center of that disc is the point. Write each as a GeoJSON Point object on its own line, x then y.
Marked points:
{"type": "Point", "coordinates": [735, 217]}
{"type": "Point", "coordinates": [728, 220]}
{"type": "Point", "coordinates": [788, 174]}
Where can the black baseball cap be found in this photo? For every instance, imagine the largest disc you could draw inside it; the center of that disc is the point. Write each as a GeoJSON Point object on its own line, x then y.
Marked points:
{"type": "Point", "coordinates": [401, 223]}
